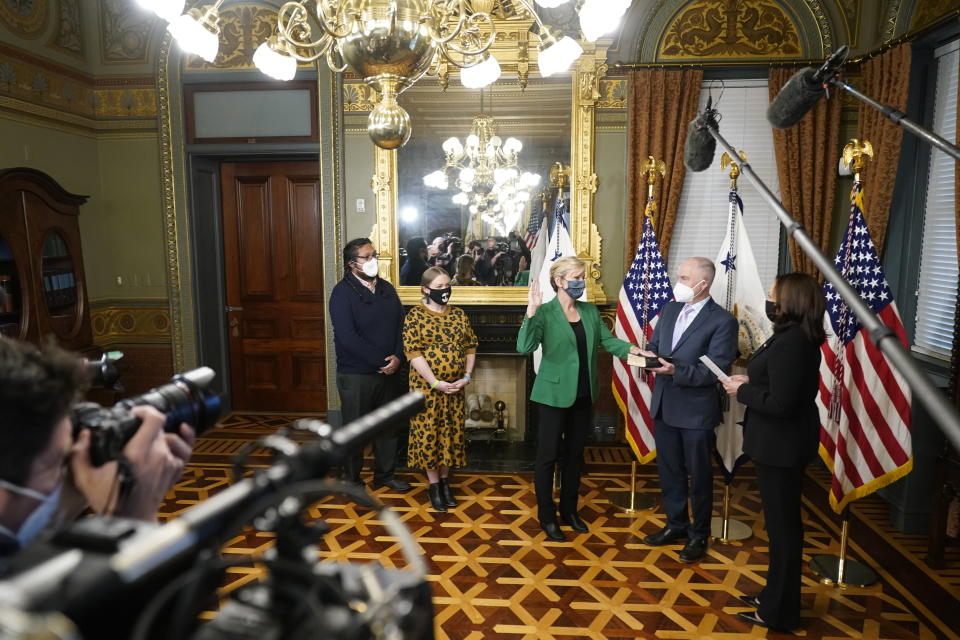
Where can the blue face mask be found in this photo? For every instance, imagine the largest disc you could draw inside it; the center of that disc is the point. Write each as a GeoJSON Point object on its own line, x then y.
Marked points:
{"type": "Point", "coordinates": [575, 288]}
{"type": "Point", "coordinates": [38, 518]}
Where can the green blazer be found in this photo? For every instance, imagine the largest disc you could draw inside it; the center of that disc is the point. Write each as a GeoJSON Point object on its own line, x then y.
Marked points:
{"type": "Point", "coordinates": [556, 383]}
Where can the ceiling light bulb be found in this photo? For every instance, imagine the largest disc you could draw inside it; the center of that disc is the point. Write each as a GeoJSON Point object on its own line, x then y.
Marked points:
{"type": "Point", "coordinates": [482, 74]}
{"type": "Point", "coordinates": [512, 146]}
{"type": "Point", "coordinates": [473, 141]}
{"type": "Point", "coordinates": [166, 9]}
{"type": "Point", "coordinates": [409, 214]}
{"type": "Point", "coordinates": [273, 61]}
{"type": "Point", "coordinates": [559, 56]}
{"type": "Point", "coordinates": [194, 37]}
{"type": "Point", "coordinates": [452, 146]}
{"type": "Point", "coordinates": [599, 17]}
{"type": "Point", "coordinates": [550, 4]}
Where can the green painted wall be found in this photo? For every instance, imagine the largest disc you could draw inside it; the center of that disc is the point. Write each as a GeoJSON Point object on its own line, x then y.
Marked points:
{"type": "Point", "coordinates": [610, 207]}
{"type": "Point", "coordinates": [120, 224]}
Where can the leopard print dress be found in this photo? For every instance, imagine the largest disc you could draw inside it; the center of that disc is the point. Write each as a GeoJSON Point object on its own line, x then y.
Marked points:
{"type": "Point", "coordinates": [444, 339]}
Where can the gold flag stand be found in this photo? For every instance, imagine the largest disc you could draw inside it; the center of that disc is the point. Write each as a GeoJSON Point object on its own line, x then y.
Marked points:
{"type": "Point", "coordinates": [833, 569]}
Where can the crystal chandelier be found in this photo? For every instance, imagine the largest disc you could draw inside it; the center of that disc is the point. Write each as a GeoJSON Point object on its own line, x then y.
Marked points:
{"type": "Point", "coordinates": [486, 174]}
{"type": "Point", "coordinates": [391, 43]}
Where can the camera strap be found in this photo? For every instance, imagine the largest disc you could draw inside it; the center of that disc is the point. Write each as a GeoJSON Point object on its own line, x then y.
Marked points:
{"type": "Point", "coordinates": [125, 480]}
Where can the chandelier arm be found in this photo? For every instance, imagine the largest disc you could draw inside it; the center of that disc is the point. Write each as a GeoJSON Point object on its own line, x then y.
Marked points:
{"type": "Point", "coordinates": [460, 65]}
{"type": "Point", "coordinates": [330, 63]}
{"type": "Point", "coordinates": [288, 25]}
{"type": "Point", "coordinates": [440, 13]}
{"type": "Point", "coordinates": [528, 5]}
{"type": "Point", "coordinates": [330, 25]}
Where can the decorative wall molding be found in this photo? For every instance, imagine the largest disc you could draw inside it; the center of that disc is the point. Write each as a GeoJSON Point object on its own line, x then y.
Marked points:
{"type": "Point", "coordinates": [613, 93]}
{"type": "Point", "coordinates": [130, 321]}
{"type": "Point", "coordinates": [242, 29]}
{"type": "Point", "coordinates": [930, 12]}
{"type": "Point", "coordinates": [25, 18]}
{"type": "Point", "coordinates": [125, 30]}
{"type": "Point", "coordinates": [41, 88]}
{"type": "Point", "coordinates": [850, 9]}
{"type": "Point", "coordinates": [68, 36]}
{"type": "Point", "coordinates": [734, 29]}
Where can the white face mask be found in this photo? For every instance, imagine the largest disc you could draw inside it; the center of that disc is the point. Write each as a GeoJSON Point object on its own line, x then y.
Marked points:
{"type": "Point", "coordinates": [39, 517]}
{"type": "Point", "coordinates": [684, 293]}
{"type": "Point", "coordinates": [370, 268]}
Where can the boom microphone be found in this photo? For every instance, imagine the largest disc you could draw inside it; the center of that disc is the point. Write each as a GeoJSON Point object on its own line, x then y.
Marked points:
{"type": "Point", "coordinates": [700, 146]}
{"type": "Point", "coordinates": [803, 91]}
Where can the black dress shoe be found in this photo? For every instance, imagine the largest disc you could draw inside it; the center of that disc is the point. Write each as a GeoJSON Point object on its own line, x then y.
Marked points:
{"type": "Point", "coordinates": [664, 536]}
{"type": "Point", "coordinates": [446, 493]}
{"type": "Point", "coordinates": [693, 550]}
{"type": "Point", "coordinates": [436, 498]}
{"type": "Point", "coordinates": [553, 532]}
{"type": "Point", "coordinates": [574, 522]}
{"type": "Point", "coordinates": [750, 601]}
{"type": "Point", "coordinates": [396, 484]}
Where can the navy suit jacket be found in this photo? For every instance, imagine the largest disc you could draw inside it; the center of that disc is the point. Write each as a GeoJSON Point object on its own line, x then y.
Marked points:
{"type": "Point", "coordinates": [690, 398]}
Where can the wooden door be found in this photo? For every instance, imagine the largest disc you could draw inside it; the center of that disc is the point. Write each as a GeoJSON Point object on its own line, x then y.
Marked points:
{"type": "Point", "coordinates": [273, 259]}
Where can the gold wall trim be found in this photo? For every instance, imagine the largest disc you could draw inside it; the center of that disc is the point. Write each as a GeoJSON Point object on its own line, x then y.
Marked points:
{"type": "Point", "coordinates": [125, 324]}
{"type": "Point", "coordinates": [16, 109]}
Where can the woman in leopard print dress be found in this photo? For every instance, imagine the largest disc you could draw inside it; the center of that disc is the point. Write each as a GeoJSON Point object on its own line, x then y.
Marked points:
{"type": "Point", "coordinates": [441, 348]}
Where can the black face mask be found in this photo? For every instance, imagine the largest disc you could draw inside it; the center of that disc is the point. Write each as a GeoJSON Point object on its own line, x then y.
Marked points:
{"type": "Point", "coordinates": [771, 309]}
{"type": "Point", "coordinates": [440, 296]}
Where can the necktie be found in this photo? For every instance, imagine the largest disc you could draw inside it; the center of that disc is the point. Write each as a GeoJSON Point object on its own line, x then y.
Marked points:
{"type": "Point", "coordinates": [682, 320]}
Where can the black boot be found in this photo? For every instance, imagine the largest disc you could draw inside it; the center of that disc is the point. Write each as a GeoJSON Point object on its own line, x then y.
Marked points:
{"type": "Point", "coordinates": [446, 493]}
{"type": "Point", "coordinates": [436, 497]}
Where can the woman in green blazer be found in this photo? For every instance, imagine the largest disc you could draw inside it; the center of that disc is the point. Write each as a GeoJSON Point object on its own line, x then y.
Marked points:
{"type": "Point", "coordinates": [566, 386]}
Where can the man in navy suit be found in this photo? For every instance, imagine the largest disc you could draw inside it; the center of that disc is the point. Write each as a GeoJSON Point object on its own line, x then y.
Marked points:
{"type": "Point", "coordinates": [686, 404]}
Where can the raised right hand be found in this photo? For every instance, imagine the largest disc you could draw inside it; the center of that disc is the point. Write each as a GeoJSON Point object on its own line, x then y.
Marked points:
{"type": "Point", "coordinates": [534, 298]}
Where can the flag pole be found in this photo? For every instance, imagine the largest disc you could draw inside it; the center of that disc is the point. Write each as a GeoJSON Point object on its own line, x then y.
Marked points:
{"type": "Point", "coordinates": [838, 570]}
{"type": "Point", "coordinates": [631, 501]}
{"type": "Point", "coordinates": [724, 529]}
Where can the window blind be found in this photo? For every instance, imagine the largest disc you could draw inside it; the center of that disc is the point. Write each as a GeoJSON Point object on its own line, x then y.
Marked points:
{"type": "Point", "coordinates": [702, 214]}
{"type": "Point", "coordinates": [937, 286]}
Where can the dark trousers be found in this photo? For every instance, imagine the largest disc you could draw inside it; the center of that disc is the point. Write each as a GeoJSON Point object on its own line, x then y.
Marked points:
{"type": "Point", "coordinates": [780, 489]}
{"type": "Point", "coordinates": [562, 434]}
{"type": "Point", "coordinates": [361, 393]}
{"type": "Point", "coordinates": [682, 453]}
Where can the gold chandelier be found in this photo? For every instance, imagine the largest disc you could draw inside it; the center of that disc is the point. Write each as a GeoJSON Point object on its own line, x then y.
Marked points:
{"type": "Point", "coordinates": [486, 174]}
{"type": "Point", "coordinates": [392, 43]}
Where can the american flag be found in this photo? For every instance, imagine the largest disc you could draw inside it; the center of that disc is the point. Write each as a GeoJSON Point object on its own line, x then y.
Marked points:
{"type": "Point", "coordinates": [864, 403]}
{"type": "Point", "coordinates": [645, 291]}
{"type": "Point", "coordinates": [533, 227]}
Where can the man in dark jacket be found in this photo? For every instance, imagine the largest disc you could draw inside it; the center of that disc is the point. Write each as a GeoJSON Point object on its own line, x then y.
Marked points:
{"type": "Point", "coordinates": [367, 321]}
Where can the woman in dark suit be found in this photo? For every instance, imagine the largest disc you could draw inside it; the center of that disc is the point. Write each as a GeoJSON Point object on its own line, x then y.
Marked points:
{"type": "Point", "coordinates": [781, 436]}
{"type": "Point", "coordinates": [570, 332]}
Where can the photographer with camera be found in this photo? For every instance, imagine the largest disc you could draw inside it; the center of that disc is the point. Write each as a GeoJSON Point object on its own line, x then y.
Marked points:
{"type": "Point", "coordinates": [487, 266]}
{"type": "Point", "coordinates": [40, 458]}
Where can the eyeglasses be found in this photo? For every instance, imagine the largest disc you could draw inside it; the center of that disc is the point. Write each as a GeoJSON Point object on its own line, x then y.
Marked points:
{"type": "Point", "coordinates": [372, 255]}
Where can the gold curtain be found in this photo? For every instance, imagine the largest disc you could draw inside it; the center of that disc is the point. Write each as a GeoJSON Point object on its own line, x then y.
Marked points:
{"type": "Point", "coordinates": [886, 79]}
{"type": "Point", "coordinates": [661, 105]}
{"type": "Point", "coordinates": [807, 157]}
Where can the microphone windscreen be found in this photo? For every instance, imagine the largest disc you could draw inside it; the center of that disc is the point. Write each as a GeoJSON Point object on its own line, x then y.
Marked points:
{"type": "Point", "coordinates": [699, 147]}
{"type": "Point", "coordinates": [796, 98]}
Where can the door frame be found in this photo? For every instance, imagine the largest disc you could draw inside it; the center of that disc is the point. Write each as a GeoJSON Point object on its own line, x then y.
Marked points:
{"type": "Point", "coordinates": [208, 285]}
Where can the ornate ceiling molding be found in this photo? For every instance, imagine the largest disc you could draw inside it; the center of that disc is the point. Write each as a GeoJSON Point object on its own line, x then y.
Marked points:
{"type": "Point", "coordinates": [25, 18]}
{"type": "Point", "coordinates": [68, 36]}
{"type": "Point", "coordinates": [124, 32]}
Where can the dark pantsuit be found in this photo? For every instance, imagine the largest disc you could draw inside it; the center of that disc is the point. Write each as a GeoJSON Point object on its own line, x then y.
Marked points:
{"type": "Point", "coordinates": [567, 426]}
{"type": "Point", "coordinates": [682, 453]}
{"type": "Point", "coordinates": [361, 393]}
{"type": "Point", "coordinates": [780, 489]}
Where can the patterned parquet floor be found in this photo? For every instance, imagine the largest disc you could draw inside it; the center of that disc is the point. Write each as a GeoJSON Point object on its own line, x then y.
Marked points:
{"type": "Point", "coordinates": [494, 574]}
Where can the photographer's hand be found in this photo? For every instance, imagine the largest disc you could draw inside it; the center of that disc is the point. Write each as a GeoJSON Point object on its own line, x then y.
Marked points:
{"type": "Point", "coordinates": [156, 468]}
{"type": "Point", "coordinates": [97, 484]}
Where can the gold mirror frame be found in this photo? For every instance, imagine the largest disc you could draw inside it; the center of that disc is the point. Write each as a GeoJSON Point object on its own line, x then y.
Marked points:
{"type": "Point", "coordinates": [586, 75]}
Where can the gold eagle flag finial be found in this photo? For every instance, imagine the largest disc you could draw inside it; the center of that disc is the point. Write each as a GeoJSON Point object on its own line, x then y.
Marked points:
{"type": "Point", "coordinates": [855, 155]}
{"type": "Point", "coordinates": [650, 169]}
{"type": "Point", "coordinates": [727, 161]}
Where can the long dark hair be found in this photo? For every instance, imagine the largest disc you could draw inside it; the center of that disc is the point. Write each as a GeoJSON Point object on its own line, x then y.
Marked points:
{"type": "Point", "coordinates": [800, 302]}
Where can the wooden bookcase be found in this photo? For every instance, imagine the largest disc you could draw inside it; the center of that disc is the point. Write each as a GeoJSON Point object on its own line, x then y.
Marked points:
{"type": "Point", "coordinates": [41, 262]}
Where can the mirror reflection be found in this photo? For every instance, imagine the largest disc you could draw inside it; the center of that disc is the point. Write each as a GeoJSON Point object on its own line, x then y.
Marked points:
{"type": "Point", "coordinates": [475, 173]}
